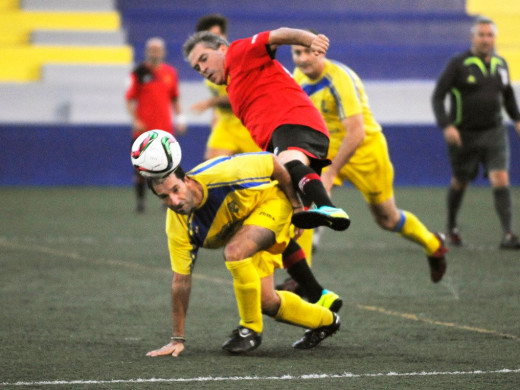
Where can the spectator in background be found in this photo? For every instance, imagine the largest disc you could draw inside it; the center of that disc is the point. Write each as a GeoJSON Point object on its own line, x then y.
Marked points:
{"type": "Point", "coordinates": [228, 135]}
{"type": "Point", "coordinates": [359, 151]}
{"type": "Point", "coordinates": [478, 84]}
{"type": "Point", "coordinates": [150, 97]}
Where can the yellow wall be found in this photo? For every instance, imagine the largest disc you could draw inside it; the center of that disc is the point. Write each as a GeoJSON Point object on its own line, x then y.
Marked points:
{"type": "Point", "coordinates": [506, 15]}
{"type": "Point", "coordinates": [20, 61]}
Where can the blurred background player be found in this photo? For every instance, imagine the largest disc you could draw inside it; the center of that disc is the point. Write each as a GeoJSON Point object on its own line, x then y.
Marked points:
{"type": "Point", "coordinates": [478, 83]}
{"type": "Point", "coordinates": [358, 149]}
{"type": "Point", "coordinates": [228, 136]}
{"type": "Point", "coordinates": [152, 94]}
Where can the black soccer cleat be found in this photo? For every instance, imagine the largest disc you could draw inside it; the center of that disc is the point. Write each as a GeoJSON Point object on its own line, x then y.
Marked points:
{"type": "Point", "coordinates": [437, 260]}
{"type": "Point", "coordinates": [242, 340]}
{"type": "Point", "coordinates": [332, 217]}
{"type": "Point", "coordinates": [510, 241]}
{"type": "Point", "coordinates": [313, 337]}
{"type": "Point", "coordinates": [454, 237]}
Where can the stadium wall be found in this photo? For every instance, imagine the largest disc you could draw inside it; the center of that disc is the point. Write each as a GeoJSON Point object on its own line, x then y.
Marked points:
{"type": "Point", "coordinates": [83, 155]}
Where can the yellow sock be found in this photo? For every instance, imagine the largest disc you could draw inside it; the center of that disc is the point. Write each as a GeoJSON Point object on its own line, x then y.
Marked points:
{"type": "Point", "coordinates": [305, 241]}
{"type": "Point", "coordinates": [247, 292]}
{"type": "Point", "coordinates": [296, 311]}
{"type": "Point", "coordinates": [410, 227]}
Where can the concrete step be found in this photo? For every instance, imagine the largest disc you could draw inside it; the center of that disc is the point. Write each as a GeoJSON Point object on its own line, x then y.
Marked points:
{"type": "Point", "coordinates": [78, 38]}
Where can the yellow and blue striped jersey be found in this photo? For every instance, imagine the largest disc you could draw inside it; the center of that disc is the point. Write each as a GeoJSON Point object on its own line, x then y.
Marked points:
{"type": "Point", "coordinates": [233, 187]}
{"type": "Point", "coordinates": [338, 93]}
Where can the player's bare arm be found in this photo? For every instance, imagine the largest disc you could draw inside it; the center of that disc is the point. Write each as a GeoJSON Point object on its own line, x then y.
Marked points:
{"type": "Point", "coordinates": [354, 137]}
{"type": "Point", "coordinates": [452, 135]}
{"type": "Point", "coordinates": [319, 44]}
{"type": "Point", "coordinates": [181, 289]}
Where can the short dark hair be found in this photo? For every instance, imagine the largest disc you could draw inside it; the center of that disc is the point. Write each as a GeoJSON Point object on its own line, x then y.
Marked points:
{"type": "Point", "coordinates": [210, 40]}
{"type": "Point", "coordinates": [178, 172]}
{"type": "Point", "coordinates": [482, 20]}
{"type": "Point", "coordinates": [208, 21]}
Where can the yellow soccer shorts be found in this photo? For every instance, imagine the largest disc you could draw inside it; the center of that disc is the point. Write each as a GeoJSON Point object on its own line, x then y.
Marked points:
{"type": "Point", "coordinates": [370, 170]}
{"type": "Point", "coordinates": [274, 214]}
{"type": "Point", "coordinates": [231, 135]}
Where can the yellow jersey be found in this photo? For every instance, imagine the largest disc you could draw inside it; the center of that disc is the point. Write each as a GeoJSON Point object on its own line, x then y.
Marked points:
{"type": "Point", "coordinates": [338, 93]}
{"type": "Point", "coordinates": [234, 188]}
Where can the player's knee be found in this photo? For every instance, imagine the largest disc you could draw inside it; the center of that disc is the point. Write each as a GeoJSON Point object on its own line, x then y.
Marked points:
{"type": "Point", "coordinates": [234, 252]}
{"type": "Point", "coordinates": [386, 221]}
{"type": "Point", "coordinates": [270, 303]}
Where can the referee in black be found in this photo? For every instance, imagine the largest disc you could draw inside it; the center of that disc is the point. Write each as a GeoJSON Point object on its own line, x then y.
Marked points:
{"type": "Point", "coordinates": [478, 84]}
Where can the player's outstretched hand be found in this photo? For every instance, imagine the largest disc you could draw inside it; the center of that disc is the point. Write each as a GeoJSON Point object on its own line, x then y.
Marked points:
{"type": "Point", "coordinates": [320, 44]}
{"type": "Point", "coordinates": [173, 348]}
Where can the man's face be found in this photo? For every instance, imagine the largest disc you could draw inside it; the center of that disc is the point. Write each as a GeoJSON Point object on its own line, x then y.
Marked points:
{"type": "Point", "coordinates": [483, 39]}
{"type": "Point", "coordinates": [176, 194]}
{"type": "Point", "coordinates": [209, 62]}
{"type": "Point", "coordinates": [308, 62]}
{"type": "Point", "coordinates": [155, 53]}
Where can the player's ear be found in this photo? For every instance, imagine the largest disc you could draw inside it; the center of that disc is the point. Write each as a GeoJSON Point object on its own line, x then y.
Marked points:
{"type": "Point", "coordinates": [222, 48]}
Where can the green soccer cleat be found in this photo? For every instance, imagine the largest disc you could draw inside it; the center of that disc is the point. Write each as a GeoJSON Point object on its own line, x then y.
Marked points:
{"type": "Point", "coordinates": [332, 217]}
{"type": "Point", "coordinates": [330, 300]}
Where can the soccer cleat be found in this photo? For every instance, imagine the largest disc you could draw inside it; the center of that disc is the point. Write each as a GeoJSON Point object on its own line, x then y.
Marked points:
{"type": "Point", "coordinates": [330, 300]}
{"type": "Point", "coordinates": [290, 285]}
{"type": "Point", "coordinates": [313, 337]}
{"type": "Point", "coordinates": [437, 260]}
{"type": "Point", "coordinates": [242, 340]}
{"type": "Point", "coordinates": [510, 241]}
{"type": "Point", "coordinates": [332, 217]}
{"type": "Point", "coordinates": [454, 237]}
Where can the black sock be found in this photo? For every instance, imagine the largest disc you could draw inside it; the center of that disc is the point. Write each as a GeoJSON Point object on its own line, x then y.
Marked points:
{"type": "Point", "coordinates": [454, 201]}
{"type": "Point", "coordinates": [296, 264]}
{"type": "Point", "coordinates": [503, 206]}
{"type": "Point", "coordinates": [307, 182]}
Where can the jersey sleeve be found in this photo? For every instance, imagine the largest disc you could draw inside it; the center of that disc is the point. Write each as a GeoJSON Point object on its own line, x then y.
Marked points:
{"type": "Point", "coordinates": [346, 95]}
{"type": "Point", "coordinates": [131, 91]}
{"type": "Point", "coordinates": [182, 252]}
{"type": "Point", "coordinates": [510, 103]}
{"type": "Point", "coordinates": [249, 53]}
{"type": "Point", "coordinates": [442, 87]}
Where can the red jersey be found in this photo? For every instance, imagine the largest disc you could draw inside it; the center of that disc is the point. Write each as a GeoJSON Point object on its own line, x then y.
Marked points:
{"type": "Point", "coordinates": [263, 93]}
{"type": "Point", "coordinates": [153, 91]}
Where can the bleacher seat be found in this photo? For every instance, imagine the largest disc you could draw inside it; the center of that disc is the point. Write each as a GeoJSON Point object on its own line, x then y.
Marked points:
{"type": "Point", "coordinates": [395, 39]}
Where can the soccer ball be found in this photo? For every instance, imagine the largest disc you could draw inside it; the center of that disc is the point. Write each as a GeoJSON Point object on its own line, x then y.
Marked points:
{"type": "Point", "coordinates": [155, 153]}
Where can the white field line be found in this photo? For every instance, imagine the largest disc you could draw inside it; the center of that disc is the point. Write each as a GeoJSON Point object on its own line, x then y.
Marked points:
{"type": "Point", "coordinates": [120, 263]}
{"type": "Point", "coordinates": [345, 375]}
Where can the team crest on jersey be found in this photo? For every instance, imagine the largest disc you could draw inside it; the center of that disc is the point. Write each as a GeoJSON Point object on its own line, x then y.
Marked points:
{"type": "Point", "coordinates": [233, 207]}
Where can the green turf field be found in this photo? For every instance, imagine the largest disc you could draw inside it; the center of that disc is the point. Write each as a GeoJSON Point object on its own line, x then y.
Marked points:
{"type": "Point", "coordinates": [85, 290]}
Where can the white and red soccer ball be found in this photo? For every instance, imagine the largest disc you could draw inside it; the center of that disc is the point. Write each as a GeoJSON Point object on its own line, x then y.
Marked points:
{"type": "Point", "coordinates": [155, 153]}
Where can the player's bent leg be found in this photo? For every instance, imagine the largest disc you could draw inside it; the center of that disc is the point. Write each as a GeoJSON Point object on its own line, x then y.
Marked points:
{"type": "Point", "coordinates": [410, 227]}
{"type": "Point", "coordinates": [296, 311]}
{"type": "Point", "coordinates": [246, 283]}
